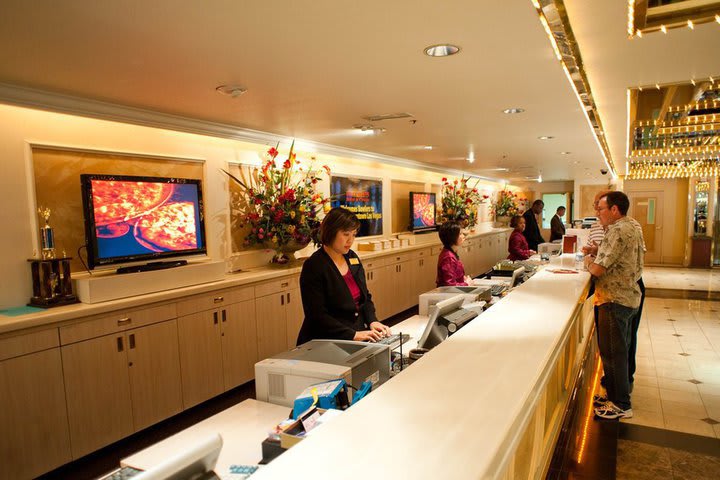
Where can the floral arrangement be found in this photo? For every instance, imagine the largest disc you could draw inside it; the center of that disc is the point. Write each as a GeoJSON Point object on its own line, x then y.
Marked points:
{"type": "Point", "coordinates": [508, 204]}
{"type": "Point", "coordinates": [280, 205]}
{"type": "Point", "coordinates": [459, 201]}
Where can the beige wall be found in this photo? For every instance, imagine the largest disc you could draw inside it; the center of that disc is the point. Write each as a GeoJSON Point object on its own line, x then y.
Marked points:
{"type": "Point", "coordinates": [22, 129]}
{"type": "Point", "coordinates": [674, 236]}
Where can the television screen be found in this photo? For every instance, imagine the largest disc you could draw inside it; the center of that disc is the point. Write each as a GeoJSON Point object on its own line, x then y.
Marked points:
{"type": "Point", "coordinates": [129, 219]}
{"type": "Point", "coordinates": [422, 211]}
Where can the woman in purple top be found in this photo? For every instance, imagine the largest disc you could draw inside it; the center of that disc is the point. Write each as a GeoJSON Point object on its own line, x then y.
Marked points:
{"type": "Point", "coordinates": [450, 270]}
{"type": "Point", "coordinates": [518, 245]}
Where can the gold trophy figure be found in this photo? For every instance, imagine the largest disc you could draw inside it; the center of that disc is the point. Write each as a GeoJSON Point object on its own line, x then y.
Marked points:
{"type": "Point", "coordinates": [47, 236]}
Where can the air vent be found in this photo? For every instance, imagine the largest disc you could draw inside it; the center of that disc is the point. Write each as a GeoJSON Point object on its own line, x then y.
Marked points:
{"type": "Point", "coordinates": [387, 116]}
{"type": "Point", "coordinates": [276, 385]}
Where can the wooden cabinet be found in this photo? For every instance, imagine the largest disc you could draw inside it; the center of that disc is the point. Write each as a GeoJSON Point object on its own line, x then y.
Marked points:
{"type": "Point", "coordinates": [121, 383]}
{"type": "Point", "coordinates": [426, 270]}
{"type": "Point", "coordinates": [218, 348]}
{"type": "Point", "coordinates": [33, 416]}
{"type": "Point", "coordinates": [279, 314]}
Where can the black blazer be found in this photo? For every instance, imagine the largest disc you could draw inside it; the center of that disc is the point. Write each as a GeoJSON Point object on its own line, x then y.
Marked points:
{"type": "Point", "coordinates": [330, 311]}
{"type": "Point", "coordinates": [532, 231]}
{"type": "Point", "coordinates": [557, 229]}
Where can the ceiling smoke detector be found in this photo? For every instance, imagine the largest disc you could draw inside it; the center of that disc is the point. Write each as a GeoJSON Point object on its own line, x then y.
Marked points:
{"type": "Point", "coordinates": [233, 91]}
{"type": "Point", "coordinates": [369, 129]}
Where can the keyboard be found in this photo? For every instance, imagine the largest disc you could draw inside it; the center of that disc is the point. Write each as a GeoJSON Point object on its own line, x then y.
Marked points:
{"type": "Point", "coordinates": [393, 339]}
{"type": "Point", "coordinates": [460, 316]}
{"type": "Point", "coordinates": [123, 473]}
{"type": "Point", "coordinates": [497, 290]}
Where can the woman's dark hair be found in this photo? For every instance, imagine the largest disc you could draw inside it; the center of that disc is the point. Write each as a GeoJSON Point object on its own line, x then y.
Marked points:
{"type": "Point", "coordinates": [336, 220]}
{"type": "Point", "coordinates": [449, 233]}
{"type": "Point", "coordinates": [514, 221]}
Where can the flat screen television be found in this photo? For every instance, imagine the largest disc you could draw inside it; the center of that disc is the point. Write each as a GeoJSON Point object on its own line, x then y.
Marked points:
{"type": "Point", "coordinates": [422, 211]}
{"type": "Point", "coordinates": [132, 219]}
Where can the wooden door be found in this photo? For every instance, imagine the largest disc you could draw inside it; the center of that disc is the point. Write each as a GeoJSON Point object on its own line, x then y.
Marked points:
{"type": "Point", "coordinates": [271, 324]}
{"type": "Point", "coordinates": [154, 366]}
{"type": "Point", "coordinates": [200, 356]}
{"type": "Point", "coordinates": [647, 209]}
{"type": "Point", "coordinates": [375, 285]}
{"type": "Point", "coordinates": [239, 343]}
{"type": "Point", "coordinates": [98, 392]}
{"type": "Point", "coordinates": [33, 417]}
{"type": "Point", "coordinates": [294, 316]}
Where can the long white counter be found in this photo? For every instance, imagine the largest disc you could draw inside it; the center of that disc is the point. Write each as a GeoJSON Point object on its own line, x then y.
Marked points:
{"type": "Point", "coordinates": [483, 404]}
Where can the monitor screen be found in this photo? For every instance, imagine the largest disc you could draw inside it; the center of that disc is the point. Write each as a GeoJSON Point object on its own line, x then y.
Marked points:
{"type": "Point", "coordinates": [130, 219]}
{"type": "Point", "coordinates": [435, 332]}
{"type": "Point", "coordinates": [422, 211]}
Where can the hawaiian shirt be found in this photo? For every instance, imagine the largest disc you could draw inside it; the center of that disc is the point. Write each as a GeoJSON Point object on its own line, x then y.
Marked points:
{"type": "Point", "coordinates": [621, 253]}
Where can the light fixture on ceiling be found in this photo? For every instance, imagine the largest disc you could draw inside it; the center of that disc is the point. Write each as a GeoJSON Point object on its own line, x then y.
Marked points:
{"type": "Point", "coordinates": [565, 153]}
{"type": "Point", "coordinates": [369, 129]}
{"type": "Point", "coordinates": [428, 147]}
{"type": "Point", "coordinates": [233, 91]}
{"type": "Point", "coordinates": [539, 179]}
{"type": "Point", "coordinates": [441, 50]}
{"type": "Point", "coordinates": [545, 137]}
{"type": "Point", "coordinates": [471, 156]}
{"type": "Point", "coordinates": [513, 110]}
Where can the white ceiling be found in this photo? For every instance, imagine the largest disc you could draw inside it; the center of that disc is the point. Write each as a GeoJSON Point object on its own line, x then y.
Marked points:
{"type": "Point", "coordinates": [313, 68]}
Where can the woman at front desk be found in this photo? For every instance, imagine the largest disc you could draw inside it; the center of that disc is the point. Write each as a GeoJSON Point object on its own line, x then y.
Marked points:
{"type": "Point", "coordinates": [450, 270]}
{"type": "Point", "coordinates": [335, 298]}
{"type": "Point", "coordinates": [517, 245]}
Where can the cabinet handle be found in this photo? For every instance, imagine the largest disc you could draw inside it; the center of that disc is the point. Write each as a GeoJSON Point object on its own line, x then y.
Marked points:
{"type": "Point", "coordinates": [284, 284]}
{"type": "Point", "coordinates": [224, 316]}
{"type": "Point", "coordinates": [124, 321]}
{"type": "Point", "coordinates": [120, 344]}
{"type": "Point", "coordinates": [132, 341]}
{"type": "Point", "coordinates": [218, 299]}
{"type": "Point", "coordinates": [288, 300]}
{"type": "Point", "coordinates": [215, 319]}
{"type": "Point", "coordinates": [282, 299]}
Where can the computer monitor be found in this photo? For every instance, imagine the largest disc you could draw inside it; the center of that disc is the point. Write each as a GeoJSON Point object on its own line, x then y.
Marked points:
{"type": "Point", "coordinates": [195, 462]}
{"type": "Point", "coordinates": [435, 332]}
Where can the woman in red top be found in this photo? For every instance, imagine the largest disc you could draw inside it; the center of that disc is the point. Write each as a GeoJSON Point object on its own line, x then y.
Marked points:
{"type": "Point", "coordinates": [518, 245]}
{"type": "Point", "coordinates": [450, 270]}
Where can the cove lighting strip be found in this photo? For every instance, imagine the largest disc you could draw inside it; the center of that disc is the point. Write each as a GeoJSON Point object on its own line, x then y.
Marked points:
{"type": "Point", "coordinates": [554, 20]}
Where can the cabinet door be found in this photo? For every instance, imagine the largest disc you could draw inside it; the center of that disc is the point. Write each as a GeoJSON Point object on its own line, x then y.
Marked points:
{"type": "Point", "coordinates": [294, 316]}
{"type": "Point", "coordinates": [98, 392]}
{"type": "Point", "coordinates": [374, 281]}
{"type": "Point", "coordinates": [271, 324]}
{"type": "Point", "coordinates": [408, 284]}
{"type": "Point", "coordinates": [239, 343]}
{"type": "Point", "coordinates": [200, 356]}
{"type": "Point", "coordinates": [33, 417]}
{"type": "Point", "coordinates": [154, 366]}
{"type": "Point", "coordinates": [427, 271]}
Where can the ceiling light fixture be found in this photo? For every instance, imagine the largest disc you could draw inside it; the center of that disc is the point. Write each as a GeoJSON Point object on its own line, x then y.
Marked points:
{"type": "Point", "coordinates": [369, 129]}
{"type": "Point", "coordinates": [441, 50]}
{"type": "Point", "coordinates": [471, 156]}
{"type": "Point", "coordinates": [663, 29]}
{"type": "Point", "coordinates": [690, 24]}
{"type": "Point", "coordinates": [510, 111]}
{"type": "Point", "coordinates": [233, 91]}
{"type": "Point", "coordinates": [565, 153]}
{"type": "Point", "coordinates": [539, 179]}
{"type": "Point", "coordinates": [428, 147]}
{"type": "Point", "coordinates": [545, 137]}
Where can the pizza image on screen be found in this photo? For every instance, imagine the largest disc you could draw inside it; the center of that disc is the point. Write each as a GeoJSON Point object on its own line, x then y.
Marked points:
{"type": "Point", "coordinates": [170, 227]}
{"type": "Point", "coordinates": [119, 201]}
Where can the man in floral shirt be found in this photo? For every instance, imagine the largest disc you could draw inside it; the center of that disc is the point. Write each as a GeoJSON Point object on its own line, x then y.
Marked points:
{"type": "Point", "coordinates": [616, 269]}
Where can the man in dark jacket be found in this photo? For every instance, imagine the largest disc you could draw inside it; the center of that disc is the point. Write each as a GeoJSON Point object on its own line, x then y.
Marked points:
{"type": "Point", "coordinates": [532, 230]}
{"type": "Point", "coordinates": [557, 227]}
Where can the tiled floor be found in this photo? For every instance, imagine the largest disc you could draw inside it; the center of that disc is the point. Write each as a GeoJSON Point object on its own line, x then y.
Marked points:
{"type": "Point", "coordinates": [677, 383]}
{"type": "Point", "coordinates": [682, 278]}
{"type": "Point", "coordinates": [639, 460]}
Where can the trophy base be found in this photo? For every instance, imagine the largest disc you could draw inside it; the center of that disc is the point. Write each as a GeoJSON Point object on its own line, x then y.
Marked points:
{"type": "Point", "coordinates": [53, 302]}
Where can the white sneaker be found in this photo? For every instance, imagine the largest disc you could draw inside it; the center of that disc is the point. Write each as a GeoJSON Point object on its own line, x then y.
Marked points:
{"type": "Point", "coordinates": [610, 411]}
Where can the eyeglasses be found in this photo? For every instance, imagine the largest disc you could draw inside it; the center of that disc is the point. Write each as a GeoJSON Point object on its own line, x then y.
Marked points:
{"type": "Point", "coordinates": [600, 209]}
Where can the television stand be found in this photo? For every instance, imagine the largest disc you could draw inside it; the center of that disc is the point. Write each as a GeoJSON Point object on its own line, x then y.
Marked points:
{"type": "Point", "coordinates": [152, 266]}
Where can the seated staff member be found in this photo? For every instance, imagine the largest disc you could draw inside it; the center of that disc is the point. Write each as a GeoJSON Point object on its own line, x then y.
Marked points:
{"type": "Point", "coordinates": [335, 298]}
{"type": "Point", "coordinates": [517, 245]}
{"type": "Point", "coordinates": [450, 270]}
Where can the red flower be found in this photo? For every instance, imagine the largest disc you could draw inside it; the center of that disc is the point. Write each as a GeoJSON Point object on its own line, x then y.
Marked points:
{"type": "Point", "coordinates": [286, 164]}
{"type": "Point", "coordinates": [444, 180]}
{"type": "Point", "coordinates": [327, 169]}
{"type": "Point", "coordinates": [273, 152]}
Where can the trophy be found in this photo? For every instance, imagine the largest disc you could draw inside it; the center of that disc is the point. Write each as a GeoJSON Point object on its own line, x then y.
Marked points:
{"type": "Point", "coordinates": [47, 237]}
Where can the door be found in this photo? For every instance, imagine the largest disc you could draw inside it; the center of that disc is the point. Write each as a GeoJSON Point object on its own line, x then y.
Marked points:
{"type": "Point", "coordinates": [98, 392]}
{"type": "Point", "coordinates": [239, 343]}
{"type": "Point", "coordinates": [271, 324]}
{"type": "Point", "coordinates": [200, 356]}
{"type": "Point", "coordinates": [647, 209]}
{"type": "Point", "coordinates": [294, 316]}
{"type": "Point", "coordinates": [373, 280]}
{"type": "Point", "coordinates": [154, 366]}
{"type": "Point", "coordinates": [33, 417]}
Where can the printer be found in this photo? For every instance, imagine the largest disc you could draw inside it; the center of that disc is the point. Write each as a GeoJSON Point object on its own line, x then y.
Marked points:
{"type": "Point", "coordinates": [284, 376]}
{"type": "Point", "coordinates": [470, 293]}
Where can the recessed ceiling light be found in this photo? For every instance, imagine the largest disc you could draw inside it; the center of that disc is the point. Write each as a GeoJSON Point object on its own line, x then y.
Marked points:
{"type": "Point", "coordinates": [565, 153]}
{"type": "Point", "coordinates": [428, 147]}
{"type": "Point", "coordinates": [513, 110]}
{"type": "Point", "coordinates": [545, 137]}
{"type": "Point", "coordinates": [369, 129]}
{"type": "Point", "coordinates": [233, 91]}
{"type": "Point", "coordinates": [442, 50]}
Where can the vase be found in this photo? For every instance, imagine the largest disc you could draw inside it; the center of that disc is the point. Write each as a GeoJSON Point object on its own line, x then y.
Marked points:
{"type": "Point", "coordinates": [284, 253]}
{"type": "Point", "coordinates": [502, 221]}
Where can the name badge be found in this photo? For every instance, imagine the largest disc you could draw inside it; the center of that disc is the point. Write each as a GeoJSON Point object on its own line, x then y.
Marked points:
{"type": "Point", "coordinates": [354, 261]}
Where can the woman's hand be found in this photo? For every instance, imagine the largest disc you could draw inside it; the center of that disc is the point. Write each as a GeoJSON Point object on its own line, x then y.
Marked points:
{"type": "Point", "coordinates": [367, 336]}
{"type": "Point", "coordinates": [381, 329]}
{"type": "Point", "coordinates": [468, 279]}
